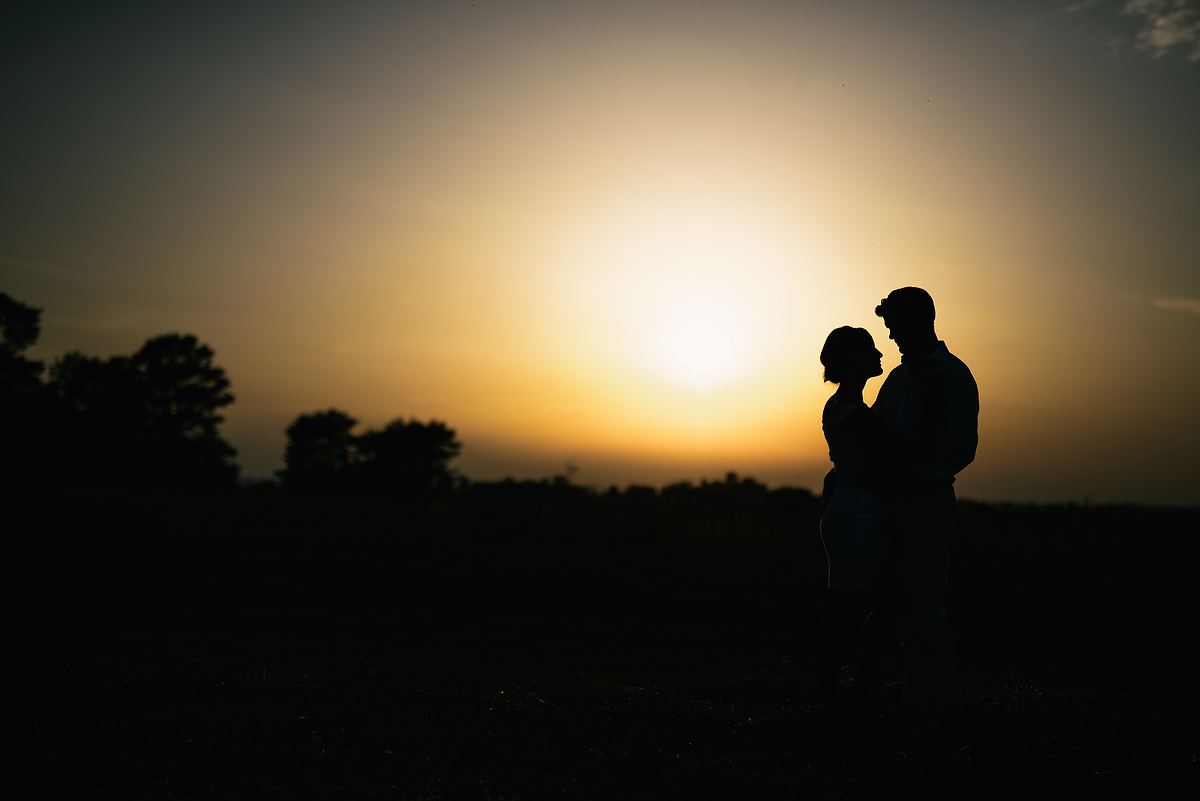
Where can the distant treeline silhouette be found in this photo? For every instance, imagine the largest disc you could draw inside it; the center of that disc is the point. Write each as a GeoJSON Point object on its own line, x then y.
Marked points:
{"type": "Point", "coordinates": [411, 459]}
{"type": "Point", "coordinates": [149, 418]}
{"type": "Point", "coordinates": [738, 512]}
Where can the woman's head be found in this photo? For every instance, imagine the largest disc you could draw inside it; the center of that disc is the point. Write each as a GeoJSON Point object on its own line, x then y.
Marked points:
{"type": "Point", "coordinates": [850, 354]}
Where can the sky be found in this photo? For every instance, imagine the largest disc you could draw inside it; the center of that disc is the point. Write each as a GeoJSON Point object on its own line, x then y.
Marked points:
{"type": "Point", "coordinates": [616, 234]}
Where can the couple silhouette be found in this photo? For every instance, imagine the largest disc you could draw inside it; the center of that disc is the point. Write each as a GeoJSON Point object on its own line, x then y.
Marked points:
{"type": "Point", "coordinates": [888, 502]}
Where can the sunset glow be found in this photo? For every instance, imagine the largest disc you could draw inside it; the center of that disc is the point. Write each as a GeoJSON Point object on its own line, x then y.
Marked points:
{"type": "Point", "coordinates": [692, 298]}
{"type": "Point", "coordinates": [619, 234]}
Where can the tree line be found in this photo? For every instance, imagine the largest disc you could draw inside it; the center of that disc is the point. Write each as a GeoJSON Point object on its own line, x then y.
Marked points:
{"type": "Point", "coordinates": [148, 418]}
{"type": "Point", "coordinates": [151, 418]}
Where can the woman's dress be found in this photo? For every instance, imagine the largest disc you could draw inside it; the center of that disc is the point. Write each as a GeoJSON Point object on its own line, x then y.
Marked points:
{"type": "Point", "coordinates": [853, 526]}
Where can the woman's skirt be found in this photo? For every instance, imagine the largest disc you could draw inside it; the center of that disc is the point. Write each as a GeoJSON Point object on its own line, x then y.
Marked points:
{"type": "Point", "coordinates": [854, 531]}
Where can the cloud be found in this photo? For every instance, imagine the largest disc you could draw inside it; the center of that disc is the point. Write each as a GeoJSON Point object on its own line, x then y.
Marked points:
{"type": "Point", "coordinates": [1179, 304]}
{"type": "Point", "coordinates": [90, 324]}
{"type": "Point", "coordinates": [1168, 23]}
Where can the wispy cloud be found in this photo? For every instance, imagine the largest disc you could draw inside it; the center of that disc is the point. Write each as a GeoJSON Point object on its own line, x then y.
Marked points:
{"type": "Point", "coordinates": [1179, 304]}
{"type": "Point", "coordinates": [93, 324]}
{"type": "Point", "coordinates": [1168, 23]}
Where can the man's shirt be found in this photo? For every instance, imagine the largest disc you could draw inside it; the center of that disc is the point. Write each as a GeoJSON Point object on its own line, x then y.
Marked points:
{"type": "Point", "coordinates": [934, 402]}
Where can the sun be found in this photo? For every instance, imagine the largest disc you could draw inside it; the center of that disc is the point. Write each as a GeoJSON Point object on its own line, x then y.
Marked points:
{"type": "Point", "coordinates": [701, 347]}
{"type": "Point", "coordinates": [691, 294]}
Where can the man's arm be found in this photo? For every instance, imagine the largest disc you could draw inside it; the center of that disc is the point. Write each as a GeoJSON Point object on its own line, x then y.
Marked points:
{"type": "Point", "coordinates": [868, 428]}
{"type": "Point", "coordinates": [956, 434]}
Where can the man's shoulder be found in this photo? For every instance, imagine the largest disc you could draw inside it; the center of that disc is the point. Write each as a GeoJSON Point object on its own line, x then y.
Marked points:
{"type": "Point", "coordinates": [959, 380]}
{"type": "Point", "coordinates": [893, 387]}
{"type": "Point", "coordinates": [952, 363]}
{"type": "Point", "coordinates": [895, 377]}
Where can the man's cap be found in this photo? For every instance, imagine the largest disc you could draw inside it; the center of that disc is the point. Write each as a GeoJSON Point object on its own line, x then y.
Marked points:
{"type": "Point", "coordinates": [909, 301]}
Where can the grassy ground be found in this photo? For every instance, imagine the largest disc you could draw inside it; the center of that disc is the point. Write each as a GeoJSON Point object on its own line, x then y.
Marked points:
{"type": "Point", "coordinates": [395, 728]}
{"type": "Point", "coordinates": [151, 656]}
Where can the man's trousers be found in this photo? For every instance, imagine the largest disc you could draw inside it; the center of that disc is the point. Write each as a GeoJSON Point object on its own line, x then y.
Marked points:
{"type": "Point", "coordinates": [920, 524]}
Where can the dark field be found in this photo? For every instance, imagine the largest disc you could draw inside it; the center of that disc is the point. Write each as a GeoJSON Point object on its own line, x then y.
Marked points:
{"type": "Point", "coordinates": [539, 642]}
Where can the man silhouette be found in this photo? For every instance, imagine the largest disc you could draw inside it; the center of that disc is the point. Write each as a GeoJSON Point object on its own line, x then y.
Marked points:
{"type": "Point", "coordinates": [932, 399]}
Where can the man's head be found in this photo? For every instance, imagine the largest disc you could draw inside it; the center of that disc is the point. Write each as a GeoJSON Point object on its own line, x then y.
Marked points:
{"type": "Point", "coordinates": [908, 314]}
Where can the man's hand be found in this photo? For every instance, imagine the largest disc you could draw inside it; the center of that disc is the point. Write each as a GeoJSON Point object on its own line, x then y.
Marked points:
{"type": "Point", "coordinates": [896, 478]}
{"type": "Point", "coordinates": [876, 479]}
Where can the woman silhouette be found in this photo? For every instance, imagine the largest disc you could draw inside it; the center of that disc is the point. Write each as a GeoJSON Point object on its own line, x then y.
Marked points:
{"type": "Point", "coordinates": [855, 514]}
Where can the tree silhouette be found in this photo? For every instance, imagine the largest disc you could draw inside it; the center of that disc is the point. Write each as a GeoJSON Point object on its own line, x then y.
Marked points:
{"type": "Point", "coordinates": [20, 328]}
{"type": "Point", "coordinates": [22, 409]}
{"type": "Point", "coordinates": [320, 449]}
{"type": "Point", "coordinates": [182, 391]}
{"type": "Point", "coordinates": [97, 431]}
{"type": "Point", "coordinates": [149, 418]}
{"type": "Point", "coordinates": [407, 458]}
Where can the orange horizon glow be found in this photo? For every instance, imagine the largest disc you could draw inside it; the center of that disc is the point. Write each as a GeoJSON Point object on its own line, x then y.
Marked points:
{"type": "Point", "coordinates": [621, 236]}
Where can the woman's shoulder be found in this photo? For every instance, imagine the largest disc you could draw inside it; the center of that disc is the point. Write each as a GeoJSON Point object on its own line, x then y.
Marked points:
{"type": "Point", "coordinates": [835, 410]}
{"type": "Point", "coordinates": [830, 407]}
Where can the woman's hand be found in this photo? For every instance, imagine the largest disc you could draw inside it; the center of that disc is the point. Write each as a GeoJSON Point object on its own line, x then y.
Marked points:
{"type": "Point", "coordinates": [827, 489]}
{"type": "Point", "coordinates": [869, 429]}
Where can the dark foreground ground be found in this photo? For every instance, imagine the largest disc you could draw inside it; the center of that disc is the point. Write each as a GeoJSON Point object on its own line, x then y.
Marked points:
{"type": "Point", "coordinates": [170, 660]}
